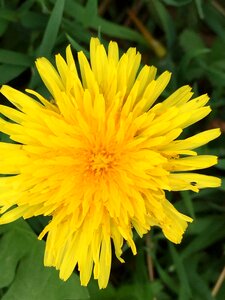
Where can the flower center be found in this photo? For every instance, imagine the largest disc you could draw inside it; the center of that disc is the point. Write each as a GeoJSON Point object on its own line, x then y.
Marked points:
{"type": "Point", "coordinates": [101, 162]}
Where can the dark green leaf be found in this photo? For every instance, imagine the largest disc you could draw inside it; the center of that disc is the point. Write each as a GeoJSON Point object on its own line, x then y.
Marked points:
{"type": "Point", "coordinates": [7, 14]}
{"type": "Point", "coordinates": [3, 26]}
{"type": "Point", "coordinates": [52, 29]}
{"type": "Point", "coordinates": [76, 46]}
{"type": "Point", "coordinates": [212, 233]}
{"type": "Point", "coordinates": [78, 12]}
{"type": "Point", "coordinates": [165, 277]}
{"type": "Point", "coordinates": [159, 11]}
{"type": "Point", "coordinates": [9, 72]}
{"type": "Point", "coordinates": [214, 19]}
{"type": "Point", "coordinates": [221, 164]}
{"type": "Point", "coordinates": [91, 12]}
{"type": "Point", "coordinates": [199, 287]}
{"type": "Point", "coordinates": [34, 21]}
{"type": "Point", "coordinates": [184, 287]}
{"type": "Point", "coordinates": [199, 5]}
{"type": "Point", "coordinates": [15, 58]}
{"type": "Point", "coordinates": [177, 2]}
{"type": "Point", "coordinates": [188, 203]}
{"type": "Point", "coordinates": [190, 41]}
{"type": "Point", "coordinates": [21, 258]}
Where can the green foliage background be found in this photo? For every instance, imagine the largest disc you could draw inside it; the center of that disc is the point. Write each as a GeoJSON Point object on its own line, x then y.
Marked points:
{"type": "Point", "coordinates": [193, 34]}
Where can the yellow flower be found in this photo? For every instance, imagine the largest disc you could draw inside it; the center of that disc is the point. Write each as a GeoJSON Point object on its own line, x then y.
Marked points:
{"type": "Point", "coordinates": [99, 156]}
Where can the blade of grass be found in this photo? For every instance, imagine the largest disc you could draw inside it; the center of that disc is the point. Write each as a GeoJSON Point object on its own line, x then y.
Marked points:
{"type": "Point", "coordinates": [186, 197]}
{"type": "Point", "coordinates": [199, 4]}
{"type": "Point", "coordinates": [184, 287]}
{"type": "Point", "coordinates": [77, 46]}
{"type": "Point", "coordinates": [9, 72]}
{"type": "Point", "coordinates": [112, 29]}
{"type": "Point", "coordinates": [164, 20]}
{"type": "Point", "coordinates": [15, 58]}
{"type": "Point", "coordinates": [212, 233]}
{"type": "Point", "coordinates": [165, 277]}
{"type": "Point", "coordinates": [198, 285]}
{"type": "Point", "coordinates": [50, 34]}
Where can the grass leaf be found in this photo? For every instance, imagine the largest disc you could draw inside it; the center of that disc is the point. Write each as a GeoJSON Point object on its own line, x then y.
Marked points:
{"type": "Point", "coordinates": [52, 28]}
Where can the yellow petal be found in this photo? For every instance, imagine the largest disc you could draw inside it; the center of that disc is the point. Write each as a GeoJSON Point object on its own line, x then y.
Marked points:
{"type": "Point", "coordinates": [191, 163]}
{"type": "Point", "coordinates": [192, 181]}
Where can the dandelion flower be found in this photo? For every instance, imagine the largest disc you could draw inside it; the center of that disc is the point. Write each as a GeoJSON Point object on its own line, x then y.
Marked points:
{"type": "Point", "coordinates": [99, 156]}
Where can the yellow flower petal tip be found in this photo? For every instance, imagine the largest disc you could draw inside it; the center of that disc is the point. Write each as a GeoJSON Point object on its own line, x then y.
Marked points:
{"type": "Point", "coordinates": [99, 156]}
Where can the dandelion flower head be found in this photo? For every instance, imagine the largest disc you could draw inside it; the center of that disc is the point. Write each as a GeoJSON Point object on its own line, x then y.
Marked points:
{"type": "Point", "coordinates": [99, 157]}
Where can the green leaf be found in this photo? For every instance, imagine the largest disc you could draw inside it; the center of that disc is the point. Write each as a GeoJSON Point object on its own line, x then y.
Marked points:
{"type": "Point", "coordinates": [91, 11]}
{"type": "Point", "coordinates": [188, 203]}
{"type": "Point", "coordinates": [184, 287]}
{"type": "Point", "coordinates": [191, 41]}
{"type": "Point", "coordinates": [198, 285]}
{"type": "Point", "coordinates": [222, 187]}
{"type": "Point", "coordinates": [34, 20]}
{"type": "Point", "coordinates": [115, 30]}
{"type": "Point", "coordinates": [7, 14]}
{"type": "Point", "coordinates": [196, 56]}
{"type": "Point", "coordinates": [77, 46]}
{"type": "Point", "coordinates": [3, 26]}
{"type": "Point", "coordinates": [199, 5]}
{"type": "Point", "coordinates": [15, 58]}
{"type": "Point", "coordinates": [201, 224]}
{"type": "Point", "coordinates": [221, 164]}
{"type": "Point", "coordinates": [4, 137]}
{"type": "Point", "coordinates": [177, 2]}
{"type": "Point", "coordinates": [159, 11]}
{"type": "Point", "coordinates": [214, 20]}
{"type": "Point", "coordinates": [212, 233]}
{"type": "Point", "coordinates": [105, 294]}
{"type": "Point", "coordinates": [78, 12]}
{"type": "Point", "coordinates": [218, 53]}
{"type": "Point", "coordinates": [165, 277]}
{"type": "Point", "coordinates": [195, 52]}
{"type": "Point", "coordinates": [52, 29]}
{"type": "Point", "coordinates": [77, 32]}
{"type": "Point", "coordinates": [216, 75]}
{"type": "Point", "coordinates": [21, 260]}
{"type": "Point", "coordinates": [221, 292]}
{"type": "Point", "coordinates": [25, 6]}
{"type": "Point", "coordinates": [11, 251]}
{"type": "Point", "coordinates": [9, 72]}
